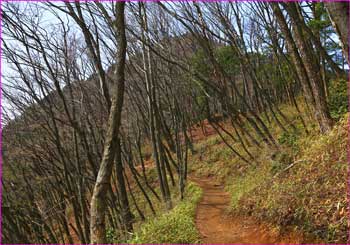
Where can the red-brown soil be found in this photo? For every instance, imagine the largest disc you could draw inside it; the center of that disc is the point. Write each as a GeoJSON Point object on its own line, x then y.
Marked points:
{"type": "Point", "coordinates": [217, 226]}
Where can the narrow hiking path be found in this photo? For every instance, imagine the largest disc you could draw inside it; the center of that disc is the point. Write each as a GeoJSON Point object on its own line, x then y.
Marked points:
{"type": "Point", "coordinates": [216, 226]}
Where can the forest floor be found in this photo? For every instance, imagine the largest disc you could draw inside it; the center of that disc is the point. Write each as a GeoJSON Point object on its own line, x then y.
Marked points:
{"type": "Point", "coordinates": [216, 225]}
{"type": "Point", "coordinates": [293, 196]}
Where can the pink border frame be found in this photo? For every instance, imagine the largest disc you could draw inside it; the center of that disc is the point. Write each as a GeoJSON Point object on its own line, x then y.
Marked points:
{"type": "Point", "coordinates": [348, 143]}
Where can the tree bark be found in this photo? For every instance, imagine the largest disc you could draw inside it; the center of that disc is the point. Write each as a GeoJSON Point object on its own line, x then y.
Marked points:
{"type": "Point", "coordinates": [307, 69]}
{"type": "Point", "coordinates": [98, 201]}
{"type": "Point", "coordinates": [123, 196]}
{"type": "Point", "coordinates": [312, 67]}
{"type": "Point", "coordinates": [339, 15]}
{"type": "Point", "coordinates": [293, 51]}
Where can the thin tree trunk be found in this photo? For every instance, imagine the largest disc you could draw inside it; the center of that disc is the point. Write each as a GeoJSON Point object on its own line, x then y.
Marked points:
{"type": "Point", "coordinates": [313, 69]}
{"type": "Point", "coordinates": [124, 202]}
{"type": "Point", "coordinates": [339, 15]}
{"type": "Point", "coordinates": [98, 201]}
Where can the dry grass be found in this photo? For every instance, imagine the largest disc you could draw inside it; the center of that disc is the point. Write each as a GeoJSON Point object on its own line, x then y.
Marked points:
{"type": "Point", "coordinates": [303, 186]}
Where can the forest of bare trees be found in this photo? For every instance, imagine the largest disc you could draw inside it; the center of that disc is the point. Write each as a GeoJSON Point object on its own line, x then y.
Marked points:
{"type": "Point", "coordinates": [86, 85]}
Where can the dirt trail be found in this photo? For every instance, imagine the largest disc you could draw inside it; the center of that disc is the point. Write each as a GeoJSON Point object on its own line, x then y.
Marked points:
{"type": "Point", "coordinates": [216, 226]}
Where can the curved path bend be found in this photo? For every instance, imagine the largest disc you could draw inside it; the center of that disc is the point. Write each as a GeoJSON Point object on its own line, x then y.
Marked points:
{"type": "Point", "coordinates": [216, 226]}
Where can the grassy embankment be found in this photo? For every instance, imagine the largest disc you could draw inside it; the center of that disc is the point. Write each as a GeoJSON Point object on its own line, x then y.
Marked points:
{"type": "Point", "coordinates": [174, 226]}
{"type": "Point", "coordinates": [166, 226]}
{"type": "Point", "coordinates": [302, 186]}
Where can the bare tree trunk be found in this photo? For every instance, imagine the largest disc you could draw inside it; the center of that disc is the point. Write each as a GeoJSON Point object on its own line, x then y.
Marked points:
{"type": "Point", "coordinates": [154, 121]}
{"type": "Point", "coordinates": [98, 201]}
{"type": "Point", "coordinates": [293, 50]}
{"type": "Point", "coordinates": [339, 15]}
{"type": "Point", "coordinates": [312, 67]}
{"type": "Point", "coordinates": [305, 65]}
{"type": "Point", "coordinates": [124, 202]}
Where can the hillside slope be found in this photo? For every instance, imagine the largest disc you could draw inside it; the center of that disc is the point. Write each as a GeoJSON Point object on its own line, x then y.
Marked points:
{"type": "Point", "coordinates": [297, 193]}
{"type": "Point", "coordinates": [300, 187]}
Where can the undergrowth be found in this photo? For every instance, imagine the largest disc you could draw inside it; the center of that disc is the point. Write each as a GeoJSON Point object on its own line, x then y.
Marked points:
{"type": "Point", "coordinates": [310, 195]}
{"type": "Point", "coordinates": [302, 185]}
{"type": "Point", "coordinates": [174, 226]}
{"type": "Point", "coordinates": [117, 236]}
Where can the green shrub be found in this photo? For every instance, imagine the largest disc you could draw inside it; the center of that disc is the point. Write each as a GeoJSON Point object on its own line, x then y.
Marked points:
{"type": "Point", "coordinates": [175, 226]}
{"type": "Point", "coordinates": [288, 138]}
{"type": "Point", "coordinates": [276, 167]}
{"type": "Point", "coordinates": [112, 236]}
{"type": "Point", "coordinates": [338, 98]}
{"type": "Point", "coordinates": [281, 161]}
{"type": "Point", "coordinates": [310, 195]}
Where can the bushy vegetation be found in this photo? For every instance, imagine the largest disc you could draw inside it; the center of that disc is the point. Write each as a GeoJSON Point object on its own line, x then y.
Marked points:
{"type": "Point", "coordinates": [303, 185]}
{"type": "Point", "coordinates": [175, 226]}
{"type": "Point", "coordinates": [98, 135]}
{"type": "Point", "coordinates": [224, 57]}
{"type": "Point", "coordinates": [338, 98]}
{"type": "Point", "coordinates": [310, 194]}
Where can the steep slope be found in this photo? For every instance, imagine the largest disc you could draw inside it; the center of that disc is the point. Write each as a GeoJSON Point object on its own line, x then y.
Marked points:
{"type": "Point", "coordinates": [300, 187]}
